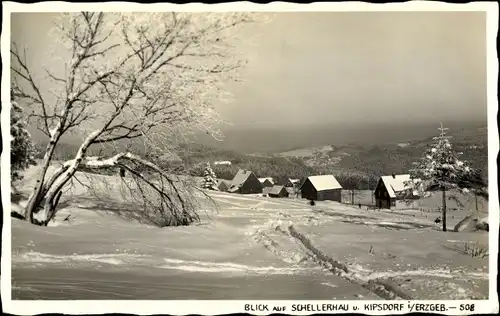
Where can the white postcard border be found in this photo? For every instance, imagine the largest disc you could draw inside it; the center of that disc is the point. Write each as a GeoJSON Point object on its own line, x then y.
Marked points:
{"type": "Point", "coordinates": [237, 306]}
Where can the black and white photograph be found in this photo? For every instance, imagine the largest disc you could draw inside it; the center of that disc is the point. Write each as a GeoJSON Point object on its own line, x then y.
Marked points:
{"type": "Point", "coordinates": [250, 153]}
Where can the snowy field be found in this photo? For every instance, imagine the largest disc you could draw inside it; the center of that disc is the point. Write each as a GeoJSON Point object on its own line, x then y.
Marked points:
{"type": "Point", "coordinates": [252, 247]}
{"type": "Point", "coordinates": [432, 203]}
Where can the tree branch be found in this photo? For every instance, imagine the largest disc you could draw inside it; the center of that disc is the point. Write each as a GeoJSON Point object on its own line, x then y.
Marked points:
{"type": "Point", "coordinates": [28, 77]}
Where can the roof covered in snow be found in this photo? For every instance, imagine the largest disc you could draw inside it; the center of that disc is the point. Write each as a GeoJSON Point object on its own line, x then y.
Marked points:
{"type": "Point", "coordinates": [262, 180]}
{"type": "Point", "coordinates": [324, 182]}
{"type": "Point", "coordinates": [240, 178]}
{"type": "Point", "coordinates": [277, 189]}
{"type": "Point", "coordinates": [396, 184]}
{"type": "Point", "coordinates": [225, 182]}
{"type": "Point", "coordinates": [294, 181]}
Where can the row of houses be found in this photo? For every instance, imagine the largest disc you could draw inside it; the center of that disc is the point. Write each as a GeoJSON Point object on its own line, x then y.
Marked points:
{"type": "Point", "coordinates": [389, 190]}
{"type": "Point", "coordinates": [323, 187]}
{"type": "Point", "coordinates": [269, 182]}
{"type": "Point", "coordinates": [245, 182]}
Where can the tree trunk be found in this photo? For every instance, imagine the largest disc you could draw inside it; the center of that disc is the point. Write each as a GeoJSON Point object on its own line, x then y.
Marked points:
{"type": "Point", "coordinates": [59, 181]}
{"type": "Point", "coordinates": [39, 189]}
{"type": "Point", "coordinates": [352, 197]}
{"type": "Point", "coordinates": [477, 209]}
{"type": "Point", "coordinates": [443, 214]}
{"type": "Point", "coordinates": [52, 196]}
{"type": "Point", "coordinates": [68, 170]}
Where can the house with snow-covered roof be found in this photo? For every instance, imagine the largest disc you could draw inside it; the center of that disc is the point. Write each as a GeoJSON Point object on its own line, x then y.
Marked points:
{"type": "Point", "coordinates": [278, 191]}
{"type": "Point", "coordinates": [320, 188]}
{"type": "Point", "coordinates": [245, 182]}
{"type": "Point", "coordinates": [394, 191]}
{"type": "Point", "coordinates": [223, 185]}
{"type": "Point", "coordinates": [267, 182]}
{"type": "Point", "coordinates": [291, 183]}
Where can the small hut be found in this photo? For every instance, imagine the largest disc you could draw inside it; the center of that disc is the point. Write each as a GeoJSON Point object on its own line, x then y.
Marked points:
{"type": "Point", "coordinates": [223, 185]}
{"type": "Point", "coordinates": [278, 191]}
{"type": "Point", "coordinates": [266, 182]}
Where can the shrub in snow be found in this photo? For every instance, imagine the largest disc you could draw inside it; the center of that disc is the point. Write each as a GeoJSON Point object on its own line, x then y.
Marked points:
{"type": "Point", "coordinates": [440, 169]}
{"type": "Point", "coordinates": [209, 178]}
{"type": "Point", "coordinates": [22, 150]}
{"type": "Point", "coordinates": [472, 223]}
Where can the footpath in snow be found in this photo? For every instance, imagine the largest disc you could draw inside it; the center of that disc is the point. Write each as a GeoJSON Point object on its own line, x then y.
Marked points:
{"type": "Point", "coordinates": [251, 248]}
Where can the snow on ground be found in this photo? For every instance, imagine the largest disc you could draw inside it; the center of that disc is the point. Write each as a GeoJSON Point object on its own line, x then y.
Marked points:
{"type": "Point", "coordinates": [411, 253]}
{"type": "Point", "coordinates": [431, 203]}
{"type": "Point", "coordinates": [244, 250]}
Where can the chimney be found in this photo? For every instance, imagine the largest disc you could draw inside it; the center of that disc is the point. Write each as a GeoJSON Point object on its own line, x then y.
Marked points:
{"type": "Point", "coordinates": [393, 176]}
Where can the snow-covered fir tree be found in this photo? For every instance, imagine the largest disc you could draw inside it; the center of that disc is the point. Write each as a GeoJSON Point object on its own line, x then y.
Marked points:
{"type": "Point", "coordinates": [440, 169]}
{"type": "Point", "coordinates": [22, 150]}
{"type": "Point", "coordinates": [209, 178]}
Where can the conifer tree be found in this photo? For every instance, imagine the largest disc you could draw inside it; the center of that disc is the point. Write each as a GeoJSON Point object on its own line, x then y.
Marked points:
{"type": "Point", "coordinates": [440, 169]}
{"type": "Point", "coordinates": [210, 179]}
{"type": "Point", "coordinates": [22, 150]}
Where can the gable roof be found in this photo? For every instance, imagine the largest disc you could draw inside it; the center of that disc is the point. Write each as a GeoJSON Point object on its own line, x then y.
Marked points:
{"type": "Point", "coordinates": [324, 182]}
{"type": "Point", "coordinates": [276, 189]}
{"type": "Point", "coordinates": [240, 178]}
{"type": "Point", "coordinates": [262, 180]}
{"type": "Point", "coordinates": [224, 182]}
{"type": "Point", "coordinates": [294, 181]}
{"type": "Point", "coordinates": [396, 184]}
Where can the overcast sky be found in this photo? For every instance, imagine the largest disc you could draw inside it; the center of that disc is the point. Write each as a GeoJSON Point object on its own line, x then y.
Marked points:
{"type": "Point", "coordinates": [342, 68]}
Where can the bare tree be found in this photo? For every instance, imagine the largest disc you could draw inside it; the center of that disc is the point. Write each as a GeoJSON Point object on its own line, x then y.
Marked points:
{"type": "Point", "coordinates": [148, 76]}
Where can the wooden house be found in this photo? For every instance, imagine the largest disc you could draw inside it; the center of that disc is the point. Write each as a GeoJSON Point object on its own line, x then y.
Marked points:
{"type": "Point", "coordinates": [393, 192]}
{"type": "Point", "coordinates": [223, 185]}
{"type": "Point", "coordinates": [278, 191]}
{"type": "Point", "coordinates": [291, 183]}
{"type": "Point", "coordinates": [321, 188]}
{"type": "Point", "coordinates": [266, 182]}
{"type": "Point", "coordinates": [245, 182]}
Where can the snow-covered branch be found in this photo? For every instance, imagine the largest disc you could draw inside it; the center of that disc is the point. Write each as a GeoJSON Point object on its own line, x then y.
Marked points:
{"type": "Point", "coordinates": [153, 76]}
{"type": "Point", "coordinates": [440, 169]}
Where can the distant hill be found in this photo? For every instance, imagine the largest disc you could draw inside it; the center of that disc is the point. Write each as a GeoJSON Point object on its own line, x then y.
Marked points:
{"type": "Point", "coordinates": [371, 160]}
{"type": "Point", "coordinates": [275, 141]}
{"type": "Point", "coordinates": [398, 157]}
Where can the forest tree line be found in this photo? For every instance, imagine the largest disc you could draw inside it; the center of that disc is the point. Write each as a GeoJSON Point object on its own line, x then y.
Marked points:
{"type": "Point", "coordinates": [352, 172]}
